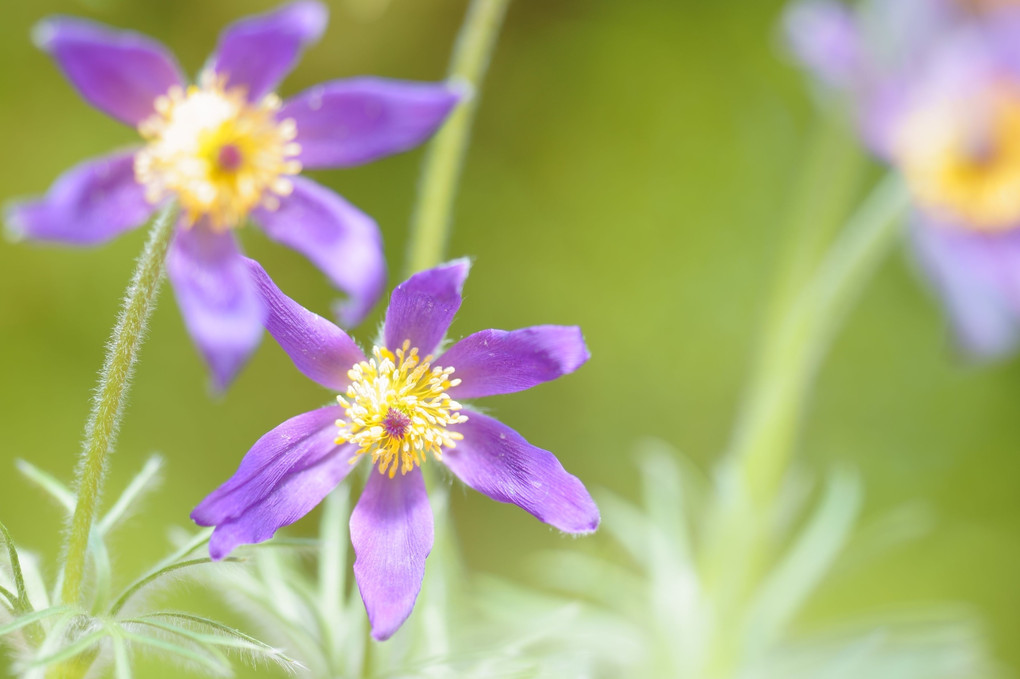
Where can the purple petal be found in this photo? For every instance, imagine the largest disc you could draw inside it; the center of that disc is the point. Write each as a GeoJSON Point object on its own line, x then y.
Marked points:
{"type": "Point", "coordinates": [258, 51]}
{"type": "Point", "coordinates": [499, 362]}
{"type": "Point", "coordinates": [391, 530]}
{"type": "Point", "coordinates": [350, 122]}
{"type": "Point", "coordinates": [338, 238]}
{"type": "Point", "coordinates": [89, 204]}
{"type": "Point", "coordinates": [119, 72]}
{"type": "Point", "coordinates": [283, 477]}
{"type": "Point", "coordinates": [217, 297]}
{"type": "Point", "coordinates": [978, 277]}
{"type": "Point", "coordinates": [824, 37]}
{"type": "Point", "coordinates": [319, 349]}
{"type": "Point", "coordinates": [422, 307]}
{"type": "Point", "coordinates": [495, 460]}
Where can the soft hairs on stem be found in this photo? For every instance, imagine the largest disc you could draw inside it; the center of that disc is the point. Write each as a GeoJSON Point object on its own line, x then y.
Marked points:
{"type": "Point", "coordinates": [109, 397]}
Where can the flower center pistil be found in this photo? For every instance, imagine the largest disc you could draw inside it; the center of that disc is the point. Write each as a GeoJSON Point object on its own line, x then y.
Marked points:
{"type": "Point", "coordinates": [396, 409]}
{"type": "Point", "coordinates": [961, 159]}
{"type": "Point", "coordinates": [218, 154]}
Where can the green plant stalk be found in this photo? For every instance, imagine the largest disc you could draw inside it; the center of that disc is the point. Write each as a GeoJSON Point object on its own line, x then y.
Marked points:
{"type": "Point", "coordinates": [765, 437]}
{"type": "Point", "coordinates": [444, 158]}
{"type": "Point", "coordinates": [766, 434]}
{"type": "Point", "coordinates": [109, 398]}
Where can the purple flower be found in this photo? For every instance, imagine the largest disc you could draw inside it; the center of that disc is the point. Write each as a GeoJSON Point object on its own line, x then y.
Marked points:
{"type": "Point", "coordinates": [935, 86]}
{"type": "Point", "coordinates": [397, 408]}
{"type": "Point", "coordinates": [228, 150]}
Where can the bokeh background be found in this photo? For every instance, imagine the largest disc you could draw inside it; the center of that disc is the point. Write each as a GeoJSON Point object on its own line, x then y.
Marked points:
{"type": "Point", "coordinates": [631, 171]}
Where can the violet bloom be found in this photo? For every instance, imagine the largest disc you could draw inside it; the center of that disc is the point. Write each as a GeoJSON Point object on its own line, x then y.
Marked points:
{"type": "Point", "coordinates": [397, 408]}
{"type": "Point", "coordinates": [935, 86]}
{"type": "Point", "coordinates": [228, 150]}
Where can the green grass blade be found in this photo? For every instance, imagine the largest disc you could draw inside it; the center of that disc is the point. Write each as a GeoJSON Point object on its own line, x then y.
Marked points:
{"type": "Point", "coordinates": [50, 484]}
{"type": "Point", "coordinates": [143, 481]}
{"type": "Point", "coordinates": [19, 579]}
{"type": "Point", "coordinates": [29, 618]}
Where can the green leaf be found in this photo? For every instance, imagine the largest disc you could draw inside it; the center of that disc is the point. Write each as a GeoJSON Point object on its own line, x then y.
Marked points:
{"type": "Point", "coordinates": [211, 659]}
{"type": "Point", "coordinates": [155, 575]}
{"type": "Point", "coordinates": [143, 481]}
{"type": "Point", "coordinates": [217, 634]}
{"type": "Point", "coordinates": [49, 483]}
{"type": "Point", "coordinates": [29, 618]}
{"type": "Point", "coordinates": [23, 603]}
{"type": "Point", "coordinates": [81, 645]}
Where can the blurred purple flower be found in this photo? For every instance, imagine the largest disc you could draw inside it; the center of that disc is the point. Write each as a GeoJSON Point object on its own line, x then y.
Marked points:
{"type": "Point", "coordinates": [935, 87]}
{"type": "Point", "coordinates": [227, 149]}
{"type": "Point", "coordinates": [397, 407]}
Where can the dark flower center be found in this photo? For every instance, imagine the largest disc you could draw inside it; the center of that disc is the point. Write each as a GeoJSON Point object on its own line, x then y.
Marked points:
{"type": "Point", "coordinates": [396, 423]}
{"type": "Point", "coordinates": [229, 157]}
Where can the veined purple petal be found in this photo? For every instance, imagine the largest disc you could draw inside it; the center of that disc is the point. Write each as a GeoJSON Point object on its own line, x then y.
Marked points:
{"type": "Point", "coordinates": [355, 121]}
{"type": "Point", "coordinates": [258, 51]}
{"type": "Point", "coordinates": [119, 72]}
{"type": "Point", "coordinates": [89, 204]}
{"type": "Point", "coordinates": [319, 349]}
{"type": "Point", "coordinates": [500, 362]}
{"type": "Point", "coordinates": [283, 477]}
{"type": "Point", "coordinates": [495, 460]}
{"type": "Point", "coordinates": [391, 530]}
{"type": "Point", "coordinates": [422, 307]}
{"type": "Point", "coordinates": [978, 278]}
{"type": "Point", "coordinates": [217, 297]}
{"type": "Point", "coordinates": [338, 238]}
{"type": "Point", "coordinates": [299, 443]}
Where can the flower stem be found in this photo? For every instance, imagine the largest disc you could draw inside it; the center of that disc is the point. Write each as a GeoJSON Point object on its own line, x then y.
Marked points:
{"type": "Point", "coordinates": [444, 158]}
{"type": "Point", "coordinates": [108, 401]}
{"type": "Point", "coordinates": [766, 432]}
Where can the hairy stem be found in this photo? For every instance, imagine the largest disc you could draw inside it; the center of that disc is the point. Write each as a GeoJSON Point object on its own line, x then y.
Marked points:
{"type": "Point", "coordinates": [444, 158]}
{"type": "Point", "coordinates": [109, 397]}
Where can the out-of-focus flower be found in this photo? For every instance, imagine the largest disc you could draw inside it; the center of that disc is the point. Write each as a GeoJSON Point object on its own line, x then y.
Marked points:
{"type": "Point", "coordinates": [935, 86]}
{"type": "Point", "coordinates": [228, 150]}
{"type": "Point", "coordinates": [397, 408]}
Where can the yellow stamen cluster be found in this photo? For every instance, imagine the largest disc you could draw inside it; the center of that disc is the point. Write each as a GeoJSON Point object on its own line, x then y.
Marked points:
{"type": "Point", "coordinates": [218, 154]}
{"type": "Point", "coordinates": [961, 158]}
{"type": "Point", "coordinates": [397, 410]}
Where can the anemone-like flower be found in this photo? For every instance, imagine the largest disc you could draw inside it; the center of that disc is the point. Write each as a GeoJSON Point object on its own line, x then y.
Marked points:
{"type": "Point", "coordinates": [936, 89]}
{"type": "Point", "coordinates": [228, 150]}
{"type": "Point", "coordinates": [397, 408]}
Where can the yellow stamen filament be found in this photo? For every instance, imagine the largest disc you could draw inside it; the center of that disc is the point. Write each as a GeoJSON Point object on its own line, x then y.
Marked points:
{"type": "Point", "coordinates": [961, 159]}
{"type": "Point", "coordinates": [396, 409]}
{"type": "Point", "coordinates": [218, 154]}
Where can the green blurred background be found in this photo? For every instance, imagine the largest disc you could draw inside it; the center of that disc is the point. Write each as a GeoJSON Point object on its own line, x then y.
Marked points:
{"type": "Point", "coordinates": [632, 167]}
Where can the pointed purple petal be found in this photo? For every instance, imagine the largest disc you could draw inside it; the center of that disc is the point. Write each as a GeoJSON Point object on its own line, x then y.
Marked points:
{"type": "Point", "coordinates": [495, 460]}
{"type": "Point", "coordinates": [391, 530]}
{"type": "Point", "coordinates": [355, 121]}
{"type": "Point", "coordinates": [319, 349]}
{"type": "Point", "coordinates": [422, 307]}
{"type": "Point", "coordinates": [824, 37]}
{"type": "Point", "coordinates": [89, 204]}
{"type": "Point", "coordinates": [342, 241]}
{"type": "Point", "coordinates": [500, 362]}
{"type": "Point", "coordinates": [217, 298]}
{"type": "Point", "coordinates": [258, 51]}
{"type": "Point", "coordinates": [978, 278]}
{"type": "Point", "coordinates": [283, 477]}
{"type": "Point", "coordinates": [119, 72]}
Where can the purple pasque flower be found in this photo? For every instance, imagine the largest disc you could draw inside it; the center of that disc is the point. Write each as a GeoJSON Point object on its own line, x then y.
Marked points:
{"type": "Point", "coordinates": [397, 408]}
{"type": "Point", "coordinates": [228, 150]}
{"type": "Point", "coordinates": [936, 88]}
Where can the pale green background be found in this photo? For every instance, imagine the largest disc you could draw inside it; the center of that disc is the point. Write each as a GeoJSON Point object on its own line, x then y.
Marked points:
{"type": "Point", "coordinates": [631, 168]}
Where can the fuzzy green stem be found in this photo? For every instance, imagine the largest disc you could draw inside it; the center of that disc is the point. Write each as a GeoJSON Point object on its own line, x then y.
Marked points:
{"type": "Point", "coordinates": [765, 435]}
{"type": "Point", "coordinates": [444, 159]}
{"type": "Point", "coordinates": [108, 401]}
